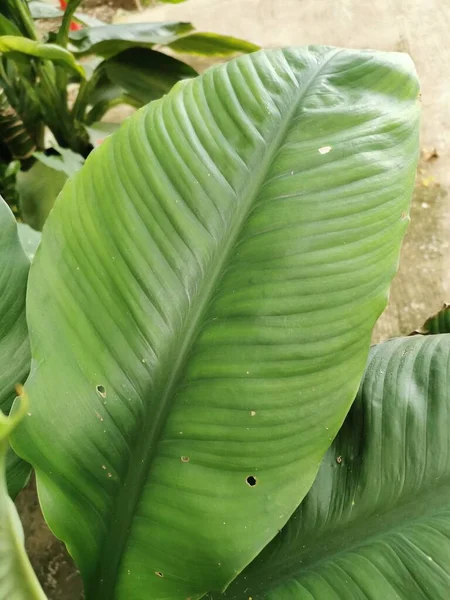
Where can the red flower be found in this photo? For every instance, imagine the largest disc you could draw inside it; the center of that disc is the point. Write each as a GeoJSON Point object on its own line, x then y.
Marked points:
{"type": "Point", "coordinates": [73, 26]}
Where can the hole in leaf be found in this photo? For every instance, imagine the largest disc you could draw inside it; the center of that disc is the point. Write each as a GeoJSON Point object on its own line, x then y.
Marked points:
{"type": "Point", "coordinates": [101, 391]}
{"type": "Point", "coordinates": [159, 574]}
{"type": "Point", "coordinates": [251, 481]}
{"type": "Point", "coordinates": [185, 459]}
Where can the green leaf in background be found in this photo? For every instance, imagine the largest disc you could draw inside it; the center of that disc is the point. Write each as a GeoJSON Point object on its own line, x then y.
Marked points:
{"type": "Point", "coordinates": [38, 189]}
{"type": "Point", "coordinates": [17, 578]}
{"type": "Point", "coordinates": [212, 44]}
{"type": "Point", "coordinates": [201, 309]}
{"type": "Point", "coordinates": [376, 523]}
{"type": "Point", "coordinates": [108, 40]}
{"type": "Point", "coordinates": [29, 238]}
{"type": "Point", "coordinates": [14, 346]}
{"type": "Point", "coordinates": [44, 10]}
{"type": "Point", "coordinates": [7, 27]}
{"type": "Point", "coordinates": [146, 75]}
{"type": "Point", "coordinates": [12, 43]}
{"type": "Point", "coordinates": [65, 160]}
{"type": "Point", "coordinates": [438, 323]}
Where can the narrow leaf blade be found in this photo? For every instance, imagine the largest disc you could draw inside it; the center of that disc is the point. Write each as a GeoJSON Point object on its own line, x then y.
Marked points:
{"type": "Point", "coordinates": [212, 44]}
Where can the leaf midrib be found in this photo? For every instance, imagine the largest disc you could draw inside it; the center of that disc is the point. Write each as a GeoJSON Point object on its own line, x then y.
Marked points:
{"type": "Point", "coordinates": [113, 545]}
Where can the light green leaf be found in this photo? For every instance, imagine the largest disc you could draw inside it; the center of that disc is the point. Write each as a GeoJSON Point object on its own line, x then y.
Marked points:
{"type": "Point", "coordinates": [212, 276]}
{"type": "Point", "coordinates": [12, 43]}
{"type": "Point", "coordinates": [146, 75]}
{"type": "Point", "coordinates": [17, 579]}
{"type": "Point", "coordinates": [108, 40]}
{"type": "Point", "coordinates": [29, 238]}
{"type": "Point", "coordinates": [15, 355]}
{"type": "Point", "coordinates": [376, 523]}
{"type": "Point", "coordinates": [212, 44]}
{"type": "Point", "coordinates": [38, 189]}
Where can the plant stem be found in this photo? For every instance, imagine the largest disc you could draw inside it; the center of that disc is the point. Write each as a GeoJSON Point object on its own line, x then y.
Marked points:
{"type": "Point", "coordinates": [62, 37]}
{"type": "Point", "coordinates": [19, 9]}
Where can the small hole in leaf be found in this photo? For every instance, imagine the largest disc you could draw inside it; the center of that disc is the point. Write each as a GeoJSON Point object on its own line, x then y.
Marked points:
{"type": "Point", "coordinates": [185, 459]}
{"type": "Point", "coordinates": [251, 481]}
{"type": "Point", "coordinates": [339, 460]}
{"type": "Point", "coordinates": [101, 391]}
{"type": "Point", "coordinates": [159, 574]}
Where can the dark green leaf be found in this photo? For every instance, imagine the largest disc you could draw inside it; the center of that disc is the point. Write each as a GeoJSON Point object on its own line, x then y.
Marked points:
{"type": "Point", "coordinates": [212, 44]}
{"type": "Point", "coordinates": [112, 39]}
{"type": "Point", "coordinates": [17, 473]}
{"type": "Point", "coordinates": [376, 523]}
{"type": "Point", "coordinates": [438, 323]}
{"type": "Point", "coordinates": [7, 27]}
{"type": "Point", "coordinates": [145, 74]}
{"type": "Point", "coordinates": [213, 274]}
{"type": "Point", "coordinates": [38, 189]}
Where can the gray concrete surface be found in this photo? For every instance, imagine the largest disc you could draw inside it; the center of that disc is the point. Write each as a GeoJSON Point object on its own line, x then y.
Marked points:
{"type": "Point", "coordinates": [419, 27]}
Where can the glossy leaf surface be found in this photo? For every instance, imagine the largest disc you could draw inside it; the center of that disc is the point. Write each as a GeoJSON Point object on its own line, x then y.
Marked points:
{"type": "Point", "coordinates": [201, 306]}
{"type": "Point", "coordinates": [376, 523]}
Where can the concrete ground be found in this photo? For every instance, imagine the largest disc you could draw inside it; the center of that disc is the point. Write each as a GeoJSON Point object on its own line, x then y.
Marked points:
{"type": "Point", "coordinates": [418, 27]}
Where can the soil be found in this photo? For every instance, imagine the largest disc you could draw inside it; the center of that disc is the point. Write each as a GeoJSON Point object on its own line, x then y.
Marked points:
{"type": "Point", "coordinates": [55, 569]}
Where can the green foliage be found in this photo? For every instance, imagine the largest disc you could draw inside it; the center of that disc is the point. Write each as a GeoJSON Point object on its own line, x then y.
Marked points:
{"type": "Point", "coordinates": [200, 312]}
{"type": "Point", "coordinates": [376, 523]}
{"type": "Point", "coordinates": [14, 345]}
{"type": "Point", "coordinates": [17, 579]}
{"type": "Point", "coordinates": [35, 75]}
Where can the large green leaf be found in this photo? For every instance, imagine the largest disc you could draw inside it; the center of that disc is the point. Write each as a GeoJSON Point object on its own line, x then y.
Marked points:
{"type": "Point", "coordinates": [144, 74]}
{"type": "Point", "coordinates": [211, 44]}
{"type": "Point", "coordinates": [376, 523]}
{"type": "Point", "coordinates": [17, 579]}
{"type": "Point", "coordinates": [14, 345]}
{"type": "Point", "coordinates": [108, 40]}
{"type": "Point", "coordinates": [201, 306]}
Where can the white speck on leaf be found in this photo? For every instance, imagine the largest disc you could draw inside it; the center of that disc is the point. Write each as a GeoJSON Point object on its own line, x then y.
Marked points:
{"type": "Point", "coordinates": [252, 413]}
{"type": "Point", "coordinates": [324, 149]}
